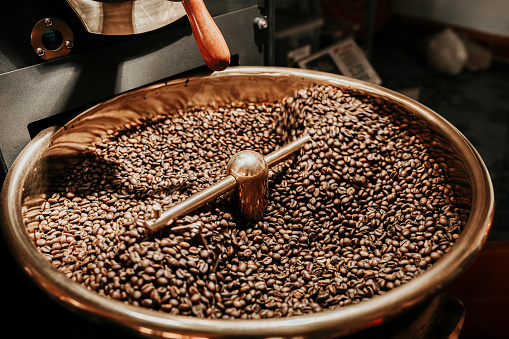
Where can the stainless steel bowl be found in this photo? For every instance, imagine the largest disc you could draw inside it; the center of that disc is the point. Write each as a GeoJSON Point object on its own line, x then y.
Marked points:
{"type": "Point", "coordinates": [34, 168]}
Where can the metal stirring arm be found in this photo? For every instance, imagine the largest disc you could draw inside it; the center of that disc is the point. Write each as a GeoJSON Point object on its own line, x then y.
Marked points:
{"type": "Point", "coordinates": [248, 171]}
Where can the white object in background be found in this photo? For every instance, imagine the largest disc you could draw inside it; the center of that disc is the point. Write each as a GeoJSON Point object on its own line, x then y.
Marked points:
{"type": "Point", "coordinates": [447, 52]}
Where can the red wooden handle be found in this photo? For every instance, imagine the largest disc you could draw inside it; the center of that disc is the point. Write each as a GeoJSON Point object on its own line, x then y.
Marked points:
{"type": "Point", "coordinates": [209, 39]}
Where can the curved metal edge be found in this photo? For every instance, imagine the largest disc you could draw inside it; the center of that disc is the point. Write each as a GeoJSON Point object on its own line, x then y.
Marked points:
{"type": "Point", "coordinates": [348, 319]}
{"type": "Point", "coordinates": [16, 237]}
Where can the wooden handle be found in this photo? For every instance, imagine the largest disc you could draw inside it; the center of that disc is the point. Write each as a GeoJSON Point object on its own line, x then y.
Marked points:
{"type": "Point", "coordinates": [208, 37]}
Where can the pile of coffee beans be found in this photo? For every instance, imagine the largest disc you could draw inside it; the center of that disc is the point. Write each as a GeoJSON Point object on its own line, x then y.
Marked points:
{"type": "Point", "coordinates": [365, 207]}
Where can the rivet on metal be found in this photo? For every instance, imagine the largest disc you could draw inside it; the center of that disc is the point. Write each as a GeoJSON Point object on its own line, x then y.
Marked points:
{"type": "Point", "coordinates": [40, 52]}
{"type": "Point", "coordinates": [48, 22]}
{"type": "Point", "coordinates": [69, 44]}
{"type": "Point", "coordinates": [261, 23]}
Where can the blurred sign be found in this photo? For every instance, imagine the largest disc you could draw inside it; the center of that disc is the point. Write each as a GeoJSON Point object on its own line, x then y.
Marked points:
{"type": "Point", "coordinates": [345, 58]}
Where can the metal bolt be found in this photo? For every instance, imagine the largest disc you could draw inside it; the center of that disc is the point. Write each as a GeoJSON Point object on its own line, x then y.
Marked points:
{"type": "Point", "coordinates": [40, 52]}
{"type": "Point", "coordinates": [261, 23]}
{"type": "Point", "coordinates": [48, 22]}
{"type": "Point", "coordinates": [69, 44]}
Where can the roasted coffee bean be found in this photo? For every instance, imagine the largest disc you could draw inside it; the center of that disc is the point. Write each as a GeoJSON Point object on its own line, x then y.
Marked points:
{"type": "Point", "coordinates": [363, 208]}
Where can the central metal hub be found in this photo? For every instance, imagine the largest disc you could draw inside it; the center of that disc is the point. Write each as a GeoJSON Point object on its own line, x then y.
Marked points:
{"type": "Point", "coordinates": [251, 172]}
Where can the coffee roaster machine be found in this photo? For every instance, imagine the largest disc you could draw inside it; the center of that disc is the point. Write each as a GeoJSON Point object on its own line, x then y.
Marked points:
{"type": "Point", "coordinates": [60, 57]}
